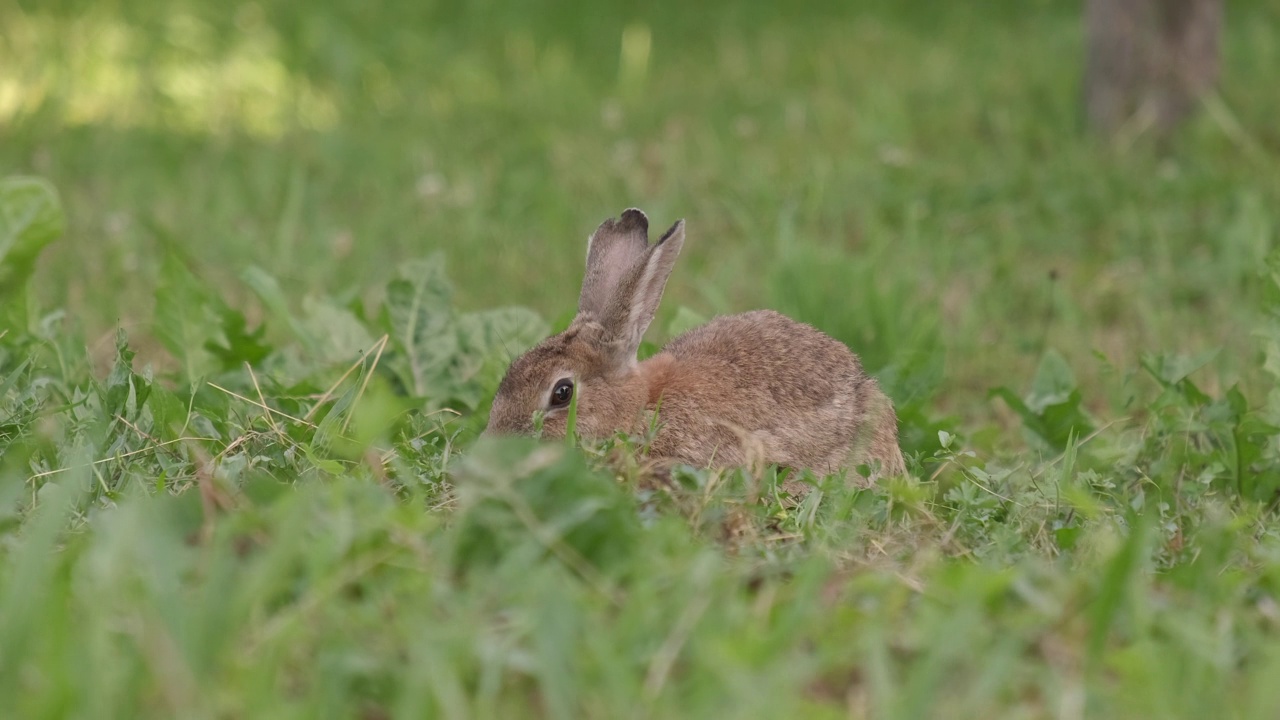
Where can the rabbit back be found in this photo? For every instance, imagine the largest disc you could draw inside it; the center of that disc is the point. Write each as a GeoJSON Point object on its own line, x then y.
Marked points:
{"type": "Point", "coordinates": [759, 386]}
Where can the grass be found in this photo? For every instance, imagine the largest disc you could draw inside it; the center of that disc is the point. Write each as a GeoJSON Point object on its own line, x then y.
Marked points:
{"type": "Point", "coordinates": [250, 325]}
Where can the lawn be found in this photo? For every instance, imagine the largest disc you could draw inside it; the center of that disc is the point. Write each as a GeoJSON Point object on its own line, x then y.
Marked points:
{"type": "Point", "coordinates": [262, 266]}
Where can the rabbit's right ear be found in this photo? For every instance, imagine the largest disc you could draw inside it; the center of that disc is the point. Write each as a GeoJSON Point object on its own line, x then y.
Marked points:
{"type": "Point", "coordinates": [640, 293]}
{"type": "Point", "coordinates": [625, 279]}
{"type": "Point", "coordinates": [613, 250]}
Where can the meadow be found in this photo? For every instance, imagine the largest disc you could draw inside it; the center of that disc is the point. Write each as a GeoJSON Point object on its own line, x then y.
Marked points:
{"type": "Point", "coordinates": [262, 266]}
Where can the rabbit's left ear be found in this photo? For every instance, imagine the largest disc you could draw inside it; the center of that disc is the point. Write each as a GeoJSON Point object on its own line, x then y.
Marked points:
{"type": "Point", "coordinates": [637, 296]}
{"type": "Point", "coordinates": [614, 250]}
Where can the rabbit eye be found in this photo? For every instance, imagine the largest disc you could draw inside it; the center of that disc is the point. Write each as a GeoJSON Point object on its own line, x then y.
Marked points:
{"type": "Point", "coordinates": [562, 393]}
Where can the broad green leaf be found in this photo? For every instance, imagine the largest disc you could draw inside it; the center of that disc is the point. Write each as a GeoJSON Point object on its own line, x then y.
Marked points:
{"type": "Point", "coordinates": [186, 315]}
{"type": "Point", "coordinates": [238, 345]}
{"type": "Point", "coordinates": [339, 335]}
{"type": "Point", "coordinates": [420, 319]}
{"type": "Point", "coordinates": [444, 356]}
{"type": "Point", "coordinates": [1171, 369]}
{"type": "Point", "coordinates": [508, 331]}
{"type": "Point", "coordinates": [31, 217]}
{"type": "Point", "coordinates": [1053, 423]}
{"type": "Point", "coordinates": [265, 286]}
{"type": "Point", "coordinates": [1053, 382]}
{"type": "Point", "coordinates": [487, 342]}
{"type": "Point", "coordinates": [168, 411]}
{"type": "Point", "coordinates": [1052, 410]}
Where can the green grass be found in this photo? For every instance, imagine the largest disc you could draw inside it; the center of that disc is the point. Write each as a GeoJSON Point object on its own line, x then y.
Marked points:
{"type": "Point", "coordinates": [240, 390]}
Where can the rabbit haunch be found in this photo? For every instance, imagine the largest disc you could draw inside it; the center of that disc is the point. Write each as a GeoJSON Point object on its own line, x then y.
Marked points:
{"type": "Point", "coordinates": [753, 387]}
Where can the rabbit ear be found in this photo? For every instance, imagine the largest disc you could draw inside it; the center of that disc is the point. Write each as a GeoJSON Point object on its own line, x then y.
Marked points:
{"type": "Point", "coordinates": [613, 250]}
{"type": "Point", "coordinates": [626, 306]}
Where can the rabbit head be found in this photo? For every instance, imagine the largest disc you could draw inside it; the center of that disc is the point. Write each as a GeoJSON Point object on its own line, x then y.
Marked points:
{"type": "Point", "coordinates": [594, 359]}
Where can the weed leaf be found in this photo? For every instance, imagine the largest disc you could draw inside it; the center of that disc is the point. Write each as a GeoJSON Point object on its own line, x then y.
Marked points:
{"type": "Point", "coordinates": [31, 217]}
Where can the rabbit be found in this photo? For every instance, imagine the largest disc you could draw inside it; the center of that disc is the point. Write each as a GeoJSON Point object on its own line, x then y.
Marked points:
{"type": "Point", "coordinates": [756, 387]}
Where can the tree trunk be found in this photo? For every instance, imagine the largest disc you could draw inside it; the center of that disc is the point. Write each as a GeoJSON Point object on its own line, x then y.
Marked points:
{"type": "Point", "coordinates": [1149, 61]}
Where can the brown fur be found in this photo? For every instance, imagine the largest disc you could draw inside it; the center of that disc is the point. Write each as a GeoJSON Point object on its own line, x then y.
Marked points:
{"type": "Point", "coordinates": [741, 389]}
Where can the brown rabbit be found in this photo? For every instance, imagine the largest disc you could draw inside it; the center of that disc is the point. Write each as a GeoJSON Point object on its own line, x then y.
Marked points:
{"type": "Point", "coordinates": [751, 387]}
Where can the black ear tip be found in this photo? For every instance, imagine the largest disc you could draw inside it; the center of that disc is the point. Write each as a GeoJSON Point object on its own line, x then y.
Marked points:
{"type": "Point", "coordinates": [634, 218]}
{"type": "Point", "coordinates": [677, 227]}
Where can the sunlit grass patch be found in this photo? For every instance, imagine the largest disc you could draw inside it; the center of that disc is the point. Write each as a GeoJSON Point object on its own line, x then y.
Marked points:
{"type": "Point", "coordinates": [98, 69]}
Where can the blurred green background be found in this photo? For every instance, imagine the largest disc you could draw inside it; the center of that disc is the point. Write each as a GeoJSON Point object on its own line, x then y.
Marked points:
{"type": "Point", "coordinates": [913, 177]}
{"type": "Point", "coordinates": [286, 538]}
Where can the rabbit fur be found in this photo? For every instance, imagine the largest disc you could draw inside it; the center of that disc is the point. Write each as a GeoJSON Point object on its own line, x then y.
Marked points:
{"type": "Point", "coordinates": [756, 387]}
